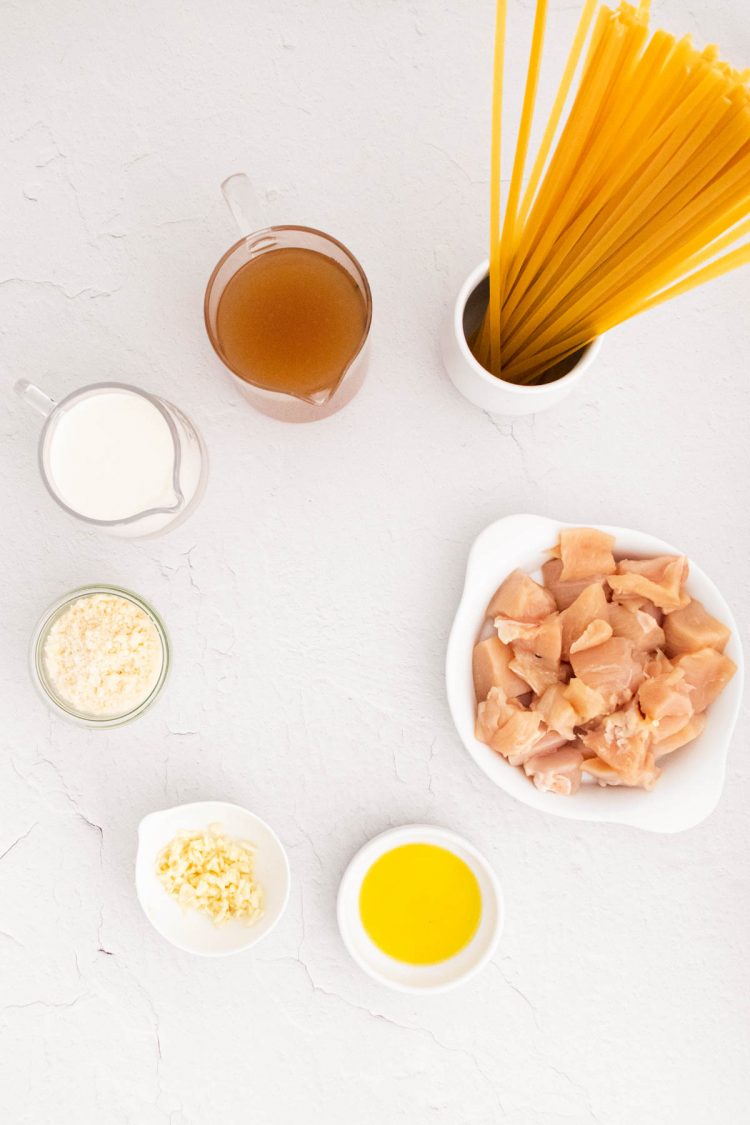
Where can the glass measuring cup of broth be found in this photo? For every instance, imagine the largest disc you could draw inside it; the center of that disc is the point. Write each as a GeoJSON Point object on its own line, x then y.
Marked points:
{"type": "Point", "coordinates": [288, 311]}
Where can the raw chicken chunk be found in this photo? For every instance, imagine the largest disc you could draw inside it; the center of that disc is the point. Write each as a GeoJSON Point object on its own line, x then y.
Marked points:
{"type": "Point", "coordinates": [537, 673]}
{"type": "Point", "coordinates": [495, 710]}
{"type": "Point", "coordinates": [585, 553]}
{"type": "Point", "coordinates": [708, 672]}
{"type": "Point", "coordinates": [610, 669]}
{"type": "Point", "coordinates": [668, 694]}
{"type": "Point", "coordinates": [692, 628]}
{"type": "Point", "coordinates": [556, 773]}
{"type": "Point", "coordinates": [606, 774]}
{"type": "Point", "coordinates": [596, 633]}
{"type": "Point", "coordinates": [490, 667]}
{"type": "Point", "coordinates": [557, 711]}
{"type": "Point", "coordinates": [637, 625]}
{"type": "Point", "coordinates": [516, 737]}
{"type": "Point", "coordinates": [622, 740]}
{"type": "Point", "coordinates": [521, 599]}
{"type": "Point", "coordinates": [692, 728]}
{"type": "Point", "coordinates": [660, 580]}
{"type": "Point", "coordinates": [544, 640]}
{"type": "Point", "coordinates": [565, 593]}
{"type": "Point", "coordinates": [587, 703]}
{"type": "Point", "coordinates": [590, 605]}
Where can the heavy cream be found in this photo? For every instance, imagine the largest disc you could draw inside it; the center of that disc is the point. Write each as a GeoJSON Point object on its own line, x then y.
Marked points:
{"type": "Point", "coordinates": [111, 456]}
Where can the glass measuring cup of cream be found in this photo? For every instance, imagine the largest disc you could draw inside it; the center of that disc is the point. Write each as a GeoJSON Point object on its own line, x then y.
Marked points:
{"type": "Point", "coordinates": [288, 311]}
{"type": "Point", "coordinates": [118, 457]}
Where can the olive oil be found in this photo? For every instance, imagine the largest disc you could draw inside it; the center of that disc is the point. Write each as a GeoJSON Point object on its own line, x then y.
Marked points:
{"type": "Point", "coordinates": [420, 904]}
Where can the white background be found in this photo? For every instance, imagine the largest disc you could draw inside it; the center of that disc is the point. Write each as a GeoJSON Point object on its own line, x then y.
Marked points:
{"type": "Point", "coordinates": [310, 597]}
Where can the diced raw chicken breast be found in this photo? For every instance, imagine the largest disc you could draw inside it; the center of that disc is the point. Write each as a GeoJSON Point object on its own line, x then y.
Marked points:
{"type": "Point", "coordinates": [585, 553]}
{"type": "Point", "coordinates": [565, 593]}
{"type": "Point", "coordinates": [587, 703]}
{"type": "Point", "coordinates": [666, 695]}
{"type": "Point", "coordinates": [657, 664]}
{"type": "Point", "coordinates": [516, 737]}
{"type": "Point", "coordinates": [590, 605]}
{"type": "Point", "coordinates": [557, 711]}
{"type": "Point", "coordinates": [510, 631]}
{"type": "Point", "coordinates": [490, 666]}
{"type": "Point", "coordinates": [637, 625]}
{"type": "Point", "coordinates": [708, 672]}
{"type": "Point", "coordinates": [606, 774]}
{"type": "Point", "coordinates": [544, 640]}
{"type": "Point", "coordinates": [549, 741]}
{"type": "Point", "coordinates": [594, 634]}
{"type": "Point", "coordinates": [660, 580]}
{"type": "Point", "coordinates": [556, 773]}
{"type": "Point", "coordinates": [493, 712]}
{"type": "Point", "coordinates": [621, 739]}
{"type": "Point", "coordinates": [604, 669]}
{"type": "Point", "coordinates": [610, 669]}
{"type": "Point", "coordinates": [692, 728]}
{"type": "Point", "coordinates": [693, 628]}
{"type": "Point", "coordinates": [522, 599]}
{"type": "Point", "coordinates": [537, 673]}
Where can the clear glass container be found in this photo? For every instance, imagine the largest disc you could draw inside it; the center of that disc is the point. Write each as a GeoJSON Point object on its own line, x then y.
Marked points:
{"type": "Point", "coordinates": [42, 681]}
{"type": "Point", "coordinates": [189, 459]}
{"type": "Point", "coordinates": [286, 407]}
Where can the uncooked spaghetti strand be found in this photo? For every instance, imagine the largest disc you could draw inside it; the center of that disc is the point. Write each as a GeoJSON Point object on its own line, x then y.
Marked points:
{"type": "Point", "coordinates": [495, 290]}
{"type": "Point", "coordinates": [574, 58]}
{"type": "Point", "coordinates": [524, 131]}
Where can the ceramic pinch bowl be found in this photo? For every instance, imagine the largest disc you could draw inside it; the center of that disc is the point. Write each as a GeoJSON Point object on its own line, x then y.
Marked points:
{"type": "Point", "coordinates": [188, 929]}
{"type": "Point", "coordinates": [692, 777]}
{"type": "Point", "coordinates": [399, 975]}
{"type": "Point", "coordinates": [476, 384]}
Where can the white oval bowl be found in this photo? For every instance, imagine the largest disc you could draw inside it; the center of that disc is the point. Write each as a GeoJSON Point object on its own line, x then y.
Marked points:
{"type": "Point", "coordinates": [693, 777]}
{"type": "Point", "coordinates": [187, 929]}
{"type": "Point", "coordinates": [398, 974]}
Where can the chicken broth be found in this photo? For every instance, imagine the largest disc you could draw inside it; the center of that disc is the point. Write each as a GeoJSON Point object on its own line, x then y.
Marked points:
{"type": "Point", "coordinates": [291, 320]}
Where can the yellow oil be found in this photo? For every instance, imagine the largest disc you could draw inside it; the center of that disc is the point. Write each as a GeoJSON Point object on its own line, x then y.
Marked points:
{"type": "Point", "coordinates": [420, 904]}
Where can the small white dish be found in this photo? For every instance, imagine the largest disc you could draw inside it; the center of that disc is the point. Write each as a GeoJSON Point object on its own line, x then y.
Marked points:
{"type": "Point", "coordinates": [475, 383]}
{"type": "Point", "coordinates": [693, 777]}
{"type": "Point", "coordinates": [187, 929]}
{"type": "Point", "coordinates": [420, 978]}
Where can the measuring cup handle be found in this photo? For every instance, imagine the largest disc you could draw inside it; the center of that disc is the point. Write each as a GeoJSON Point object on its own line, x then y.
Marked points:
{"type": "Point", "coordinates": [241, 201]}
{"type": "Point", "coordinates": [35, 397]}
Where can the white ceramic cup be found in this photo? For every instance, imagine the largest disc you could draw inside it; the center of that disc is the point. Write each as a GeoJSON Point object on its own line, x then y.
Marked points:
{"type": "Point", "coordinates": [399, 975]}
{"type": "Point", "coordinates": [475, 383]}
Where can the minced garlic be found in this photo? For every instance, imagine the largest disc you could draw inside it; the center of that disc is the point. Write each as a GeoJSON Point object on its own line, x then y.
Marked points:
{"type": "Point", "coordinates": [212, 873]}
{"type": "Point", "coordinates": [103, 655]}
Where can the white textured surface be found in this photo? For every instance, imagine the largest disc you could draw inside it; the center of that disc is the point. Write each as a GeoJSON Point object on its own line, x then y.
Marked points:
{"type": "Point", "coordinates": [310, 598]}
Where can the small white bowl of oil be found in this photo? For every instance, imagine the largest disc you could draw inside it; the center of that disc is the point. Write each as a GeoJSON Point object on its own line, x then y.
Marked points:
{"type": "Point", "coordinates": [420, 909]}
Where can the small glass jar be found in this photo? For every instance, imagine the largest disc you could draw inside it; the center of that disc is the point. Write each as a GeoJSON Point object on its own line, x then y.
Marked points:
{"type": "Point", "coordinates": [46, 688]}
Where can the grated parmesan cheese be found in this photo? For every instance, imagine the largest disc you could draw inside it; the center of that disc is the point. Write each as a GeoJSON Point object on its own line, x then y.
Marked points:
{"type": "Point", "coordinates": [209, 872]}
{"type": "Point", "coordinates": [103, 655]}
